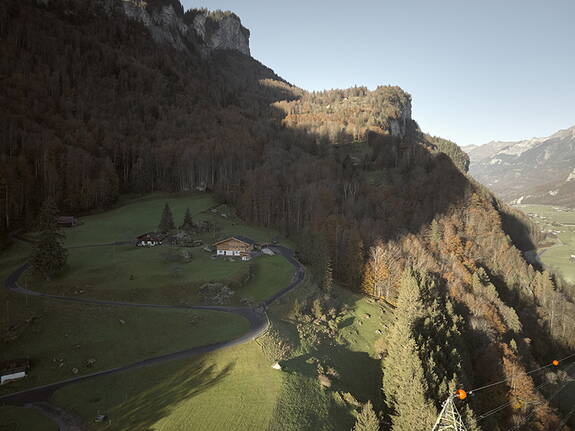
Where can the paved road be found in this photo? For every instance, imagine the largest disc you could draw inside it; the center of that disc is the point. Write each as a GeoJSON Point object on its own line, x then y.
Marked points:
{"type": "Point", "coordinates": [257, 318]}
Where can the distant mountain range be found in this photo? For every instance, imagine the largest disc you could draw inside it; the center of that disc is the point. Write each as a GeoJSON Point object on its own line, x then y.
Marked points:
{"type": "Point", "coordinates": [537, 170]}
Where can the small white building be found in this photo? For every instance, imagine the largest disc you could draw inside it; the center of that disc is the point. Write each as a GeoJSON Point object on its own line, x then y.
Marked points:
{"type": "Point", "coordinates": [13, 369]}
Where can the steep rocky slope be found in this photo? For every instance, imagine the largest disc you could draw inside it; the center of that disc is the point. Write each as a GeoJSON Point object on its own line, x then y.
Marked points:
{"type": "Point", "coordinates": [197, 28]}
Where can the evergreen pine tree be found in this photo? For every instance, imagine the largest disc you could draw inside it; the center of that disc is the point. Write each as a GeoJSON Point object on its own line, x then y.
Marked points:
{"type": "Point", "coordinates": [49, 256]}
{"type": "Point", "coordinates": [188, 224]}
{"type": "Point", "coordinates": [167, 220]}
{"type": "Point", "coordinates": [404, 383]}
{"type": "Point", "coordinates": [367, 420]}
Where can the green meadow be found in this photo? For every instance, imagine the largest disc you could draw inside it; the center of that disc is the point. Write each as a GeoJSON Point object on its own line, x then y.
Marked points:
{"type": "Point", "coordinates": [323, 377]}
{"type": "Point", "coordinates": [160, 275]}
{"type": "Point", "coordinates": [237, 388]}
{"type": "Point", "coordinates": [559, 225]}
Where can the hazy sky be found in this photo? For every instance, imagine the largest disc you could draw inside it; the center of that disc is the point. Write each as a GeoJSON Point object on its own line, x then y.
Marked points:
{"type": "Point", "coordinates": [477, 70]}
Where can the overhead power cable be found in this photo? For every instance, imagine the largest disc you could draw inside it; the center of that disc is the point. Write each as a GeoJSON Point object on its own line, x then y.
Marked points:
{"type": "Point", "coordinates": [554, 363]}
{"type": "Point", "coordinates": [504, 405]}
{"type": "Point", "coordinates": [557, 392]}
{"type": "Point", "coordinates": [449, 418]}
{"type": "Point", "coordinates": [564, 421]}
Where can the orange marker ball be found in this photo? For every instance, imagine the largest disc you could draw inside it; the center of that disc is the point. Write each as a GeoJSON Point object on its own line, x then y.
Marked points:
{"type": "Point", "coordinates": [555, 362]}
{"type": "Point", "coordinates": [461, 394]}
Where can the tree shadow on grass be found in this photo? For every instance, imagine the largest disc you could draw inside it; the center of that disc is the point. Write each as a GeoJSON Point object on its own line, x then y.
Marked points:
{"type": "Point", "coordinates": [357, 373]}
{"type": "Point", "coordinates": [347, 322]}
{"type": "Point", "coordinates": [146, 405]}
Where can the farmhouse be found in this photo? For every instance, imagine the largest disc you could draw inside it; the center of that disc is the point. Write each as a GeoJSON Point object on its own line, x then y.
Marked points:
{"type": "Point", "coordinates": [150, 239]}
{"type": "Point", "coordinates": [236, 246]}
{"type": "Point", "coordinates": [67, 221]}
{"type": "Point", "coordinates": [13, 369]}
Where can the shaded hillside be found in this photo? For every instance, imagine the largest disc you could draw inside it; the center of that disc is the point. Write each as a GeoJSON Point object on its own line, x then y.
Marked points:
{"type": "Point", "coordinates": [92, 106]}
{"type": "Point", "coordinates": [538, 170]}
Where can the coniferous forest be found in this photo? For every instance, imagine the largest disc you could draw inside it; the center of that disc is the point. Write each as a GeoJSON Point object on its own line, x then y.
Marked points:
{"type": "Point", "coordinates": [91, 107]}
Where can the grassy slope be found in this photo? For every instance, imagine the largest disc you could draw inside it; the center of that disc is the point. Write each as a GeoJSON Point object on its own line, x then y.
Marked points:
{"type": "Point", "coordinates": [556, 256]}
{"type": "Point", "coordinates": [270, 274]}
{"type": "Point", "coordinates": [106, 272]}
{"type": "Point", "coordinates": [237, 389]}
{"type": "Point", "coordinates": [78, 332]}
{"type": "Point", "coordinates": [65, 336]}
{"type": "Point", "coordinates": [303, 403]}
{"type": "Point", "coordinates": [24, 419]}
{"type": "Point", "coordinates": [233, 389]}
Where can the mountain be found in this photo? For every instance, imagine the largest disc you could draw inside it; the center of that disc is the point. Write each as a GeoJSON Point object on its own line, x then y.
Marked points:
{"type": "Point", "coordinates": [100, 98]}
{"type": "Point", "coordinates": [537, 170]}
{"type": "Point", "coordinates": [195, 29]}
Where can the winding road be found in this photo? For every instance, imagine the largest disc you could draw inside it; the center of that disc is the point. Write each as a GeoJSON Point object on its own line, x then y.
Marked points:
{"type": "Point", "coordinates": [256, 316]}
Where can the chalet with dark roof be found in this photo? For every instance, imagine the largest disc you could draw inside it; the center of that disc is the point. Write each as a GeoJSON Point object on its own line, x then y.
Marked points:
{"type": "Point", "coordinates": [150, 239]}
{"type": "Point", "coordinates": [237, 245]}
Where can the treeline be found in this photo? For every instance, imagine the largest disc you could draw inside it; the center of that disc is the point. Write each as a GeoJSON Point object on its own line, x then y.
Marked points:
{"type": "Point", "coordinates": [455, 153]}
{"type": "Point", "coordinates": [91, 107]}
{"type": "Point", "coordinates": [511, 310]}
{"type": "Point", "coordinates": [340, 116]}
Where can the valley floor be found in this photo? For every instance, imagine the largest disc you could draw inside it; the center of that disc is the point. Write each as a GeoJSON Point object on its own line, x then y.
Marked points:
{"type": "Point", "coordinates": [558, 224]}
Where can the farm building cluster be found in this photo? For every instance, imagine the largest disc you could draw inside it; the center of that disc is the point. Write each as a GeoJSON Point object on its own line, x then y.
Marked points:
{"type": "Point", "coordinates": [233, 246]}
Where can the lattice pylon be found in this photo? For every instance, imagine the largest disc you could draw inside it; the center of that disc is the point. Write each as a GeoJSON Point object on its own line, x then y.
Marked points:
{"type": "Point", "coordinates": [449, 419]}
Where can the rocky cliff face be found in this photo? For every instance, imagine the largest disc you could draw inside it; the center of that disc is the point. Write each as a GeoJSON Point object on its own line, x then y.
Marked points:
{"type": "Point", "coordinates": [202, 29]}
{"type": "Point", "coordinates": [222, 31]}
{"type": "Point", "coordinates": [165, 25]}
{"type": "Point", "coordinates": [398, 127]}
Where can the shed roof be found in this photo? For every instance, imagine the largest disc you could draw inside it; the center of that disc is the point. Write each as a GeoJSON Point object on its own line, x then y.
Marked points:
{"type": "Point", "coordinates": [151, 236]}
{"type": "Point", "coordinates": [240, 238]}
{"type": "Point", "coordinates": [14, 365]}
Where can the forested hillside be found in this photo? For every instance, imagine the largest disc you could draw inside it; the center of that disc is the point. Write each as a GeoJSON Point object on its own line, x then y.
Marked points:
{"type": "Point", "coordinates": [92, 107]}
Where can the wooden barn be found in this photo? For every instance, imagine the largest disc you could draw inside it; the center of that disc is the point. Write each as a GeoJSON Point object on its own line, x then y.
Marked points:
{"type": "Point", "coordinates": [13, 369]}
{"type": "Point", "coordinates": [150, 239]}
{"type": "Point", "coordinates": [67, 221]}
{"type": "Point", "coordinates": [239, 246]}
